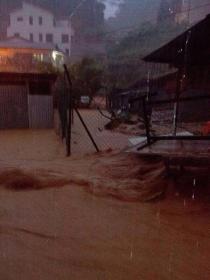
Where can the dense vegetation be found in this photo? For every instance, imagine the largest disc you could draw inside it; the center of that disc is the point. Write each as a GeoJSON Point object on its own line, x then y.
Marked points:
{"type": "Point", "coordinates": [139, 28]}
{"type": "Point", "coordinates": [87, 77]}
{"type": "Point", "coordinates": [134, 13]}
{"type": "Point", "coordinates": [125, 58]}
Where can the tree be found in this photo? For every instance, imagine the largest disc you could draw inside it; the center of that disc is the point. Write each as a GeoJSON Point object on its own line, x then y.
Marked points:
{"type": "Point", "coordinates": [164, 11]}
{"type": "Point", "coordinates": [134, 13]}
{"type": "Point", "coordinates": [89, 19]}
{"type": "Point", "coordinates": [87, 78]}
{"type": "Point", "coordinates": [168, 10]}
{"type": "Point", "coordinates": [125, 58]}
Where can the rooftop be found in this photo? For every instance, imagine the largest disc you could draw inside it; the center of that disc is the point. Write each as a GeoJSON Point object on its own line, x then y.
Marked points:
{"type": "Point", "coordinates": [17, 77]}
{"type": "Point", "coordinates": [191, 47]}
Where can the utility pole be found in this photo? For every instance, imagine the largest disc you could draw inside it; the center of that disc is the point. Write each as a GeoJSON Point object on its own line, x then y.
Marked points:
{"type": "Point", "coordinates": [188, 13]}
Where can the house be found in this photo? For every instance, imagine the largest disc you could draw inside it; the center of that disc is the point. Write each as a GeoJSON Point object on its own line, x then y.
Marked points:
{"type": "Point", "coordinates": [18, 54]}
{"type": "Point", "coordinates": [39, 25]}
{"type": "Point", "coordinates": [26, 100]}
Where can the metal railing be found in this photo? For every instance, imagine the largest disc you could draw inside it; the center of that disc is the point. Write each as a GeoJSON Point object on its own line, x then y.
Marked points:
{"type": "Point", "coordinates": [153, 138]}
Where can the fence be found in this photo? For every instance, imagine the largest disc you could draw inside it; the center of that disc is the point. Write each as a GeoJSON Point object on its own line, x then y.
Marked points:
{"type": "Point", "coordinates": [86, 130]}
{"type": "Point", "coordinates": [171, 119]}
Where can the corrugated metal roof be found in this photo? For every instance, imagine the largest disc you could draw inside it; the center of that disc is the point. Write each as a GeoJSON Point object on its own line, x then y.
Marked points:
{"type": "Point", "coordinates": [190, 45]}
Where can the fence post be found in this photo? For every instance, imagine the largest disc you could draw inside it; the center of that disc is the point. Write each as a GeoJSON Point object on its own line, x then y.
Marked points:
{"type": "Point", "coordinates": [70, 108]}
{"type": "Point", "coordinates": [146, 120]}
{"type": "Point", "coordinates": [176, 105]}
{"type": "Point", "coordinates": [87, 130]}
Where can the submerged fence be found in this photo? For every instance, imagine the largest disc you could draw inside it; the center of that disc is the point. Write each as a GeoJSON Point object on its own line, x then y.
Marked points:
{"type": "Point", "coordinates": [94, 129]}
{"type": "Point", "coordinates": [175, 124]}
{"type": "Point", "coordinates": [86, 130]}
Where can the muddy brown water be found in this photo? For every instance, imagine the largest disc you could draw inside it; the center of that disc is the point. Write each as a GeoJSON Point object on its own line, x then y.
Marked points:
{"type": "Point", "coordinates": [70, 234]}
{"type": "Point", "coordinates": [86, 229]}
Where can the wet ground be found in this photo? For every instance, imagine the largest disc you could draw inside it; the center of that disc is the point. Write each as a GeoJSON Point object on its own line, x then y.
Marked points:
{"type": "Point", "coordinates": [65, 232]}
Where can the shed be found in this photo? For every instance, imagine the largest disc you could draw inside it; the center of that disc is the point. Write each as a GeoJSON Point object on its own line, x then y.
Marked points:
{"type": "Point", "coordinates": [191, 47]}
{"type": "Point", "coordinates": [26, 100]}
{"type": "Point", "coordinates": [189, 53]}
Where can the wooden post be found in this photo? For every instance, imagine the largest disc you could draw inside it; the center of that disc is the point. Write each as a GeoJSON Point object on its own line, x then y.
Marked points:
{"type": "Point", "coordinates": [180, 77]}
{"type": "Point", "coordinates": [87, 130]}
{"type": "Point", "coordinates": [176, 105]}
{"type": "Point", "coordinates": [28, 103]}
{"type": "Point", "coordinates": [70, 108]}
{"type": "Point", "coordinates": [146, 120]}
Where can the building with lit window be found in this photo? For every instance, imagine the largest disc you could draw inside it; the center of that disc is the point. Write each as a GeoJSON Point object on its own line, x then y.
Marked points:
{"type": "Point", "coordinates": [39, 25]}
{"type": "Point", "coordinates": [21, 55]}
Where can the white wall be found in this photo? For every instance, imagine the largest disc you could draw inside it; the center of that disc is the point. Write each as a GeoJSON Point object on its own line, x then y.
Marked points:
{"type": "Point", "coordinates": [24, 28]}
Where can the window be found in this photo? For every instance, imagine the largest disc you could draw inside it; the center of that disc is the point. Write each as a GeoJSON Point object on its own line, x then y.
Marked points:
{"type": "Point", "coordinates": [17, 34]}
{"type": "Point", "coordinates": [65, 38]}
{"type": "Point", "coordinates": [40, 37]}
{"type": "Point", "coordinates": [31, 37]}
{"type": "Point", "coordinates": [67, 51]}
{"type": "Point", "coordinates": [38, 57]}
{"type": "Point", "coordinates": [20, 19]}
{"type": "Point", "coordinates": [31, 20]}
{"type": "Point", "coordinates": [49, 38]}
{"type": "Point", "coordinates": [40, 20]}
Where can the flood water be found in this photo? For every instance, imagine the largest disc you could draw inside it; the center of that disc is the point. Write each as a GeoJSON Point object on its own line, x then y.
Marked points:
{"type": "Point", "coordinates": [75, 232]}
{"type": "Point", "coordinates": [70, 234]}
